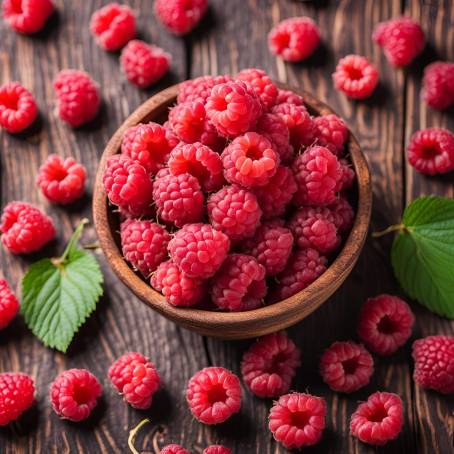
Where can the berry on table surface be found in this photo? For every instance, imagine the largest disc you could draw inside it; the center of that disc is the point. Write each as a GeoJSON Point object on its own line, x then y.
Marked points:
{"type": "Point", "coordinates": [180, 16]}
{"type": "Point", "coordinates": [438, 85]}
{"type": "Point", "coordinates": [27, 16]}
{"type": "Point", "coordinates": [173, 449]}
{"type": "Point", "coordinates": [74, 394]}
{"type": "Point", "coordinates": [25, 228]}
{"type": "Point", "coordinates": [379, 419]}
{"type": "Point", "coordinates": [261, 84]}
{"type": "Point", "coordinates": [331, 132]}
{"type": "Point", "coordinates": [199, 89]}
{"type": "Point", "coordinates": [17, 394]}
{"type": "Point", "coordinates": [214, 395]}
{"type": "Point", "coordinates": [217, 449]}
{"type": "Point", "coordinates": [8, 304]}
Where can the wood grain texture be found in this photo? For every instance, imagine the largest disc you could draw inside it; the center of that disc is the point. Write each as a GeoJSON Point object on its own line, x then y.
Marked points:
{"type": "Point", "coordinates": [232, 37]}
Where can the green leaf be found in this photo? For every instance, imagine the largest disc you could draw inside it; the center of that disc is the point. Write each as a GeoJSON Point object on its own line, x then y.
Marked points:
{"type": "Point", "coordinates": [59, 294]}
{"type": "Point", "coordinates": [423, 253]}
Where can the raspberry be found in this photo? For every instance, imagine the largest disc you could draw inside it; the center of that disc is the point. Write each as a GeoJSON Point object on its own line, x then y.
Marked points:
{"type": "Point", "coordinates": [214, 395]}
{"type": "Point", "coordinates": [135, 376]}
{"type": "Point", "coordinates": [249, 160]}
{"type": "Point", "coordinates": [234, 211]}
{"type": "Point", "coordinates": [173, 449]}
{"type": "Point", "coordinates": [74, 394]}
{"type": "Point", "coordinates": [268, 367]}
{"type": "Point", "coordinates": [298, 419]}
{"type": "Point", "coordinates": [144, 244]}
{"type": "Point", "coordinates": [239, 285]}
{"type": "Point", "coordinates": [438, 85]}
{"type": "Point", "coordinates": [217, 449]}
{"type": "Point", "coordinates": [17, 394]}
{"type": "Point", "coordinates": [402, 40]}
{"type": "Point", "coordinates": [315, 228]}
{"type": "Point", "coordinates": [25, 228]}
{"type": "Point", "coordinates": [294, 39]}
{"type": "Point", "coordinates": [355, 76]}
{"type": "Point", "coordinates": [385, 323]}
{"type": "Point", "coordinates": [61, 181]}
{"type": "Point", "coordinates": [18, 108]}
{"type": "Point", "coordinates": [233, 108]}
{"type": "Point", "coordinates": [27, 16]}
{"type": "Point", "coordinates": [379, 419]}
{"type": "Point", "coordinates": [271, 246]}
{"type": "Point", "coordinates": [144, 64]}
{"type": "Point", "coordinates": [331, 132]}
{"type": "Point", "coordinates": [199, 89]}
{"type": "Point", "coordinates": [180, 16]}
{"type": "Point", "coordinates": [318, 177]}
{"type": "Point", "coordinates": [343, 215]}
{"type": "Point", "coordinates": [434, 363]}
{"type": "Point", "coordinates": [128, 186]}
{"type": "Point", "coordinates": [261, 84]}
{"type": "Point", "coordinates": [346, 366]}
{"type": "Point", "coordinates": [201, 162]}
{"type": "Point", "coordinates": [8, 304]}
{"type": "Point", "coordinates": [288, 96]}
{"type": "Point", "coordinates": [177, 288]}
{"type": "Point", "coordinates": [431, 151]}
{"type": "Point", "coordinates": [348, 175]}
{"type": "Point", "coordinates": [199, 250]}
{"type": "Point", "coordinates": [274, 197]}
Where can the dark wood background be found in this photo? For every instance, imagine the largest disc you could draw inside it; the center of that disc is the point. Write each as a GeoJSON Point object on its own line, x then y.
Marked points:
{"type": "Point", "coordinates": [231, 37]}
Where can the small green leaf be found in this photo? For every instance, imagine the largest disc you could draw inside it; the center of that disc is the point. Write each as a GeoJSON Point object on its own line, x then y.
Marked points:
{"type": "Point", "coordinates": [423, 253]}
{"type": "Point", "coordinates": [59, 294]}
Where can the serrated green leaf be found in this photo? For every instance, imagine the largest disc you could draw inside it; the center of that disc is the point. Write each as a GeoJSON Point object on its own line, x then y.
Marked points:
{"type": "Point", "coordinates": [423, 253]}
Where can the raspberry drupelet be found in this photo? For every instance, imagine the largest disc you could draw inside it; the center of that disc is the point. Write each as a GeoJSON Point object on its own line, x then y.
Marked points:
{"type": "Point", "coordinates": [199, 89]}
{"type": "Point", "coordinates": [136, 377]}
{"type": "Point", "coordinates": [294, 39]}
{"type": "Point", "coordinates": [27, 16]}
{"type": "Point", "coordinates": [74, 394]}
{"type": "Point", "coordinates": [268, 367]}
{"type": "Point", "coordinates": [438, 85]}
{"type": "Point", "coordinates": [385, 323]}
{"type": "Point", "coordinates": [346, 366]}
{"type": "Point", "coordinates": [173, 449]}
{"type": "Point", "coordinates": [261, 84]}
{"type": "Point", "coordinates": [379, 419]}
{"type": "Point", "coordinates": [434, 363]}
{"type": "Point", "coordinates": [61, 180]}
{"type": "Point", "coordinates": [17, 394]}
{"type": "Point", "coordinates": [239, 285]}
{"type": "Point", "coordinates": [217, 449]}
{"type": "Point", "coordinates": [18, 108]}
{"type": "Point", "coordinates": [8, 304]}
{"type": "Point", "coordinates": [214, 395]}
{"type": "Point", "coordinates": [343, 215]}
{"type": "Point", "coordinates": [234, 211]}
{"type": "Point", "coordinates": [297, 420]}
{"type": "Point", "coordinates": [180, 16]}
{"type": "Point", "coordinates": [290, 97]}
{"type": "Point", "coordinates": [331, 132]}
{"type": "Point", "coordinates": [24, 228]}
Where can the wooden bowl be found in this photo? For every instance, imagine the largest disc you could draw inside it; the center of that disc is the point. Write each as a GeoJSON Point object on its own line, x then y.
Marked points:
{"type": "Point", "coordinates": [232, 325]}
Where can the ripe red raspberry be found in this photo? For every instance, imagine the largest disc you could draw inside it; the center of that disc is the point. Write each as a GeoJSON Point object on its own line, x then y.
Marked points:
{"type": "Point", "coordinates": [318, 177]}
{"type": "Point", "coordinates": [294, 39]}
{"type": "Point", "coordinates": [199, 250]}
{"type": "Point", "coordinates": [434, 363]}
{"type": "Point", "coordinates": [17, 394]}
{"type": "Point", "coordinates": [128, 186]}
{"type": "Point", "coordinates": [298, 420]}
{"type": "Point", "coordinates": [136, 377]}
{"type": "Point", "coordinates": [78, 98]}
{"type": "Point", "coordinates": [268, 367]}
{"type": "Point", "coordinates": [199, 89]}
{"type": "Point", "coordinates": [288, 96]}
{"type": "Point", "coordinates": [74, 394]}
{"type": "Point", "coordinates": [379, 419]}
{"type": "Point", "coordinates": [217, 449]}
{"type": "Point", "coordinates": [144, 244]}
{"type": "Point", "coordinates": [346, 366]}
{"type": "Point", "coordinates": [25, 228]}
{"type": "Point", "coordinates": [144, 64]}
{"type": "Point", "coordinates": [331, 132]}
{"type": "Point", "coordinates": [261, 84]}
{"type": "Point", "coordinates": [402, 40]}
{"type": "Point", "coordinates": [27, 16]}
{"type": "Point", "coordinates": [180, 16]}
{"type": "Point", "coordinates": [173, 449]}
{"type": "Point", "coordinates": [8, 304]}
{"type": "Point", "coordinates": [113, 26]}
{"type": "Point", "coordinates": [438, 85]}
{"type": "Point", "coordinates": [201, 162]}
{"type": "Point", "coordinates": [234, 211]}
{"type": "Point", "coordinates": [233, 108]}
{"type": "Point", "coordinates": [18, 108]}
{"type": "Point", "coordinates": [355, 76]}
{"type": "Point", "coordinates": [271, 245]}
{"type": "Point", "coordinates": [61, 181]}
{"type": "Point", "coordinates": [214, 395]}
{"type": "Point", "coordinates": [249, 160]}
{"type": "Point", "coordinates": [343, 215]}
{"type": "Point", "coordinates": [274, 197]}
{"type": "Point", "coordinates": [348, 175]}
{"type": "Point", "coordinates": [385, 323]}
{"type": "Point", "coordinates": [240, 284]}
{"type": "Point", "coordinates": [431, 151]}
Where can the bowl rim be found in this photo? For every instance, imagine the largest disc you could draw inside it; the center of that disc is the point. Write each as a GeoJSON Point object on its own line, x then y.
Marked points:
{"type": "Point", "coordinates": [328, 282]}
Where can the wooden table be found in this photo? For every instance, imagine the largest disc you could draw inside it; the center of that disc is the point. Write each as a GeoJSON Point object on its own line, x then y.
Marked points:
{"type": "Point", "coordinates": [232, 37]}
